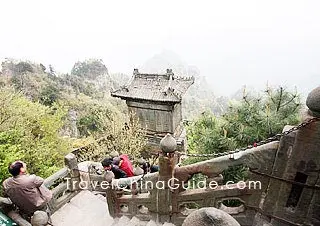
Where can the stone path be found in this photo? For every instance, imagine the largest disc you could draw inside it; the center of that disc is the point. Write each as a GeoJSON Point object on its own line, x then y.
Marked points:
{"type": "Point", "coordinates": [88, 209]}
{"type": "Point", "coordinates": [85, 209]}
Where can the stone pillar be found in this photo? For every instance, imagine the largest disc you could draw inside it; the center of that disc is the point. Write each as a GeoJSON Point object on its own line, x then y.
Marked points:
{"type": "Point", "coordinates": [111, 195]}
{"type": "Point", "coordinates": [73, 123]}
{"type": "Point", "coordinates": [313, 165]}
{"type": "Point", "coordinates": [294, 198]}
{"type": "Point", "coordinates": [71, 162]}
{"type": "Point", "coordinates": [168, 146]}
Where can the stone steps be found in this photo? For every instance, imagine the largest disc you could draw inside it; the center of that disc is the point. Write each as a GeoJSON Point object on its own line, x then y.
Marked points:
{"type": "Point", "coordinates": [136, 222]}
{"type": "Point", "coordinates": [85, 209]}
{"type": "Point", "coordinates": [88, 209]}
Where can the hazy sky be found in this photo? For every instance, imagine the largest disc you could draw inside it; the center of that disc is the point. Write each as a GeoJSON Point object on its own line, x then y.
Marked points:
{"type": "Point", "coordinates": [231, 42]}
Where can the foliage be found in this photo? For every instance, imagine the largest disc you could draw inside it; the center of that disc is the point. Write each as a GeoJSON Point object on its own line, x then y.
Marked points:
{"type": "Point", "coordinates": [126, 138]}
{"type": "Point", "coordinates": [79, 86]}
{"type": "Point", "coordinates": [17, 67]}
{"type": "Point", "coordinates": [106, 120]}
{"type": "Point", "coordinates": [258, 117]}
{"type": "Point", "coordinates": [29, 131]}
{"type": "Point", "coordinates": [120, 136]}
{"type": "Point", "coordinates": [117, 134]}
{"type": "Point", "coordinates": [90, 69]}
{"type": "Point", "coordinates": [49, 95]}
{"type": "Point", "coordinates": [35, 115]}
{"type": "Point", "coordinates": [252, 119]}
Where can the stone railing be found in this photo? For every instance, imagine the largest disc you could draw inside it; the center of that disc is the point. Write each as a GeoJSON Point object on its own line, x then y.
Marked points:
{"type": "Point", "coordinates": [169, 204]}
{"type": "Point", "coordinates": [288, 172]}
{"type": "Point", "coordinates": [61, 184]}
{"type": "Point", "coordinates": [57, 183]}
{"type": "Point", "coordinates": [213, 193]}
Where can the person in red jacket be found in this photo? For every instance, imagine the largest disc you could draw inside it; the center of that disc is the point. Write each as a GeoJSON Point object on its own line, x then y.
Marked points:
{"type": "Point", "coordinates": [124, 164]}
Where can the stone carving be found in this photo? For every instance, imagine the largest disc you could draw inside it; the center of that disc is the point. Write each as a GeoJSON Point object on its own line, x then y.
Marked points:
{"type": "Point", "coordinates": [168, 144]}
{"type": "Point", "coordinates": [313, 101]}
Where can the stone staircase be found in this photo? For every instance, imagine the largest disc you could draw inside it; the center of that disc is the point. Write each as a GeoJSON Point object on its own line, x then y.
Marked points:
{"type": "Point", "coordinates": [88, 209]}
{"type": "Point", "coordinates": [85, 209]}
{"type": "Point", "coordinates": [136, 222]}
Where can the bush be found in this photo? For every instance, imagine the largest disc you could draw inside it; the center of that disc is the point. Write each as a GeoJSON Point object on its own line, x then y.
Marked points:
{"type": "Point", "coordinates": [29, 131]}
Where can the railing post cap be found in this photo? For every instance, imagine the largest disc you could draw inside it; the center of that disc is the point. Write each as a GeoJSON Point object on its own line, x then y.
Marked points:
{"type": "Point", "coordinates": [313, 100]}
{"type": "Point", "coordinates": [210, 216]}
{"type": "Point", "coordinates": [108, 176]}
{"type": "Point", "coordinates": [70, 156]}
{"type": "Point", "coordinates": [168, 144]}
{"type": "Point", "coordinates": [138, 171]}
{"type": "Point", "coordinates": [135, 71]}
{"type": "Point", "coordinates": [39, 218]}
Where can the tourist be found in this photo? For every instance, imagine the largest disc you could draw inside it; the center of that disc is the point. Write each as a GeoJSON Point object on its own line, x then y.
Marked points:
{"type": "Point", "coordinates": [143, 164]}
{"type": "Point", "coordinates": [109, 166]}
{"type": "Point", "coordinates": [147, 168]}
{"type": "Point", "coordinates": [124, 164]}
{"type": "Point", "coordinates": [154, 168]}
{"type": "Point", "coordinates": [26, 191]}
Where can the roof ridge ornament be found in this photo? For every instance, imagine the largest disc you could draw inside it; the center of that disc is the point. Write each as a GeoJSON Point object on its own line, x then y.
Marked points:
{"type": "Point", "coordinates": [170, 75]}
{"type": "Point", "coordinates": [135, 71]}
{"type": "Point", "coordinates": [164, 87]}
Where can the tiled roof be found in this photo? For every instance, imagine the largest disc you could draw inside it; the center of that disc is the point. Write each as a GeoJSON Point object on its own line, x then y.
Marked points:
{"type": "Point", "coordinates": [155, 87]}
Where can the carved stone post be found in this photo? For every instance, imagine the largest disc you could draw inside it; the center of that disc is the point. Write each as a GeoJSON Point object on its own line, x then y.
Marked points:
{"type": "Point", "coordinates": [312, 166]}
{"type": "Point", "coordinates": [166, 164]}
{"type": "Point", "coordinates": [111, 195]}
{"type": "Point", "coordinates": [71, 162]}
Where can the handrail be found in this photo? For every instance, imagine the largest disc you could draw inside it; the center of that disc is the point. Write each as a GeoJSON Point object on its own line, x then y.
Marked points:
{"type": "Point", "coordinates": [62, 173]}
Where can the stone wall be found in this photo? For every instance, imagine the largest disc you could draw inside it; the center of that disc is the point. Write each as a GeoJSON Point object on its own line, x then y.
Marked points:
{"type": "Point", "coordinates": [293, 195]}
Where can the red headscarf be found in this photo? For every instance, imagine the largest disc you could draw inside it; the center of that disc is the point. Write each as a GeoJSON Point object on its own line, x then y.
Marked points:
{"type": "Point", "coordinates": [126, 165]}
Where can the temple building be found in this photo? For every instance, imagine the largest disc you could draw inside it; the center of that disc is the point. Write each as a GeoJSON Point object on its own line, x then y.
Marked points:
{"type": "Point", "coordinates": [156, 100]}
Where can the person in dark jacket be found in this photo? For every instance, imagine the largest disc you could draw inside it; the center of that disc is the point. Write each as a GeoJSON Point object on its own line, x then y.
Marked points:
{"type": "Point", "coordinates": [147, 168]}
{"type": "Point", "coordinates": [108, 166]}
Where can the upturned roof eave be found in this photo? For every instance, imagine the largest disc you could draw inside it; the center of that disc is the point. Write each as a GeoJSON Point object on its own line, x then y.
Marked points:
{"type": "Point", "coordinates": [146, 99]}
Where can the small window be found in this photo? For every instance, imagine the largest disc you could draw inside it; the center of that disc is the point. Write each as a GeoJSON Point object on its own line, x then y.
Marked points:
{"type": "Point", "coordinates": [296, 190]}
